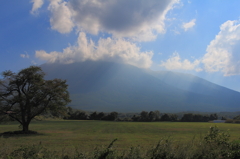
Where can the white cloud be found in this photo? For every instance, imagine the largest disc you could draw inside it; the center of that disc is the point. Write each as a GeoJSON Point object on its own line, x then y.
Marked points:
{"type": "Point", "coordinates": [117, 50]}
{"type": "Point", "coordinates": [61, 18]}
{"type": "Point", "coordinates": [175, 31]}
{"type": "Point", "coordinates": [123, 20]}
{"type": "Point", "coordinates": [223, 53]}
{"type": "Point", "coordinates": [175, 63]}
{"type": "Point", "coordinates": [136, 19]}
{"type": "Point", "coordinates": [36, 5]}
{"type": "Point", "coordinates": [24, 55]}
{"type": "Point", "coordinates": [187, 26]}
{"type": "Point", "coordinates": [33, 62]}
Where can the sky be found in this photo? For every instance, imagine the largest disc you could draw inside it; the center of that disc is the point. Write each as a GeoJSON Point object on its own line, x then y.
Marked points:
{"type": "Point", "coordinates": [190, 36]}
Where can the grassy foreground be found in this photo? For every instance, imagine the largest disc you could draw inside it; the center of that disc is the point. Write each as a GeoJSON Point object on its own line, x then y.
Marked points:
{"type": "Point", "coordinates": [87, 135]}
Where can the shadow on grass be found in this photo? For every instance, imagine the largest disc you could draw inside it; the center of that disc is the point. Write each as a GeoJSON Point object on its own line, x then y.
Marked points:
{"type": "Point", "coordinates": [19, 134]}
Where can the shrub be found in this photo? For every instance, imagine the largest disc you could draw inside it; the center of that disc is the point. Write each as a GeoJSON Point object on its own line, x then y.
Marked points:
{"type": "Point", "coordinates": [237, 121]}
{"type": "Point", "coordinates": [229, 121]}
{"type": "Point", "coordinates": [32, 152]}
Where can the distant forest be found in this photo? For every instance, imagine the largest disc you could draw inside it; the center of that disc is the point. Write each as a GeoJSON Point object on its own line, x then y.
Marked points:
{"type": "Point", "coordinates": [146, 116]}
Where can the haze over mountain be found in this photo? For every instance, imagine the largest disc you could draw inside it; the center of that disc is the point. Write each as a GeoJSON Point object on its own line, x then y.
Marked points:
{"type": "Point", "coordinates": [108, 86]}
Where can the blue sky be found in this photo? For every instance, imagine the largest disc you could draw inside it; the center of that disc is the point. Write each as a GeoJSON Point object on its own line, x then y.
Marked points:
{"type": "Point", "coordinates": [190, 36]}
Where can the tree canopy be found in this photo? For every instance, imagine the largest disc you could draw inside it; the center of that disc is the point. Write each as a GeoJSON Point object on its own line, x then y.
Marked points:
{"type": "Point", "coordinates": [27, 94]}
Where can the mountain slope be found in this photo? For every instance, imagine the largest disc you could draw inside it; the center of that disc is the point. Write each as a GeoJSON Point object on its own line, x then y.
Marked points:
{"type": "Point", "coordinates": [106, 86]}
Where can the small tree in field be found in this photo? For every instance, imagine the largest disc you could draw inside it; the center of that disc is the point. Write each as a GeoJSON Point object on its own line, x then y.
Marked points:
{"type": "Point", "coordinates": [26, 94]}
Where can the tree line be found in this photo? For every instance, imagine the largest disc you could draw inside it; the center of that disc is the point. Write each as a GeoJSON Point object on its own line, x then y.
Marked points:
{"type": "Point", "coordinates": [82, 115]}
{"type": "Point", "coordinates": [144, 116]}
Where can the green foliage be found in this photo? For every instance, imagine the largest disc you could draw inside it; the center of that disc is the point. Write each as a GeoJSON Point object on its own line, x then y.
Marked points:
{"type": "Point", "coordinates": [76, 115]}
{"type": "Point", "coordinates": [144, 116]}
{"type": "Point", "coordinates": [103, 116]}
{"type": "Point", "coordinates": [107, 153]}
{"type": "Point", "coordinates": [189, 117]}
{"type": "Point", "coordinates": [37, 151]}
{"type": "Point", "coordinates": [235, 120]}
{"type": "Point", "coordinates": [232, 121]}
{"type": "Point", "coordinates": [169, 117]}
{"type": "Point", "coordinates": [237, 117]}
{"type": "Point", "coordinates": [162, 150]}
{"type": "Point", "coordinates": [147, 116]}
{"type": "Point", "coordinates": [215, 136]}
{"type": "Point", "coordinates": [26, 94]}
{"type": "Point", "coordinates": [111, 116]}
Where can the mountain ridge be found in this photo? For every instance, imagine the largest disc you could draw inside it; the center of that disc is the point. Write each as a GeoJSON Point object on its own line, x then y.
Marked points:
{"type": "Point", "coordinates": [107, 86]}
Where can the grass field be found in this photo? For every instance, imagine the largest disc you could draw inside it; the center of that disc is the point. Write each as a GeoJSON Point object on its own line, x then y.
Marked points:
{"type": "Point", "coordinates": [86, 135]}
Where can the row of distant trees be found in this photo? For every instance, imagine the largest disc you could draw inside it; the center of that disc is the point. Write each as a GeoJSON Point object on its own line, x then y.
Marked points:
{"type": "Point", "coordinates": [198, 117]}
{"type": "Point", "coordinates": [154, 116]}
{"type": "Point", "coordinates": [82, 115]}
{"type": "Point", "coordinates": [144, 116]}
{"type": "Point", "coordinates": [188, 117]}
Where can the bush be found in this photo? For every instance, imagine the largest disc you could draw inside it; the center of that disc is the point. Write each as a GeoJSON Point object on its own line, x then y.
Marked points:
{"type": "Point", "coordinates": [229, 121]}
{"type": "Point", "coordinates": [232, 121]}
{"type": "Point", "coordinates": [237, 121]}
{"type": "Point", "coordinates": [30, 152]}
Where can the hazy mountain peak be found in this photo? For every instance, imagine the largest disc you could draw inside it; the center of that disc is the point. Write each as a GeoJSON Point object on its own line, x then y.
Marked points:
{"type": "Point", "coordinates": [108, 86]}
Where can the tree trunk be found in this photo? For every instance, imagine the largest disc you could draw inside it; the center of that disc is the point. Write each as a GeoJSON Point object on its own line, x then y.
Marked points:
{"type": "Point", "coordinates": [25, 127]}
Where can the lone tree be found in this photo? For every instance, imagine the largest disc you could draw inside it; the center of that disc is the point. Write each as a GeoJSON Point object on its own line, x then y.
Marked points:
{"type": "Point", "coordinates": [26, 94]}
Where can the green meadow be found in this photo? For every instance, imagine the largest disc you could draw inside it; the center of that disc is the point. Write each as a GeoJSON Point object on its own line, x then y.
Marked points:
{"type": "Point", "coordinates": [87, 135]}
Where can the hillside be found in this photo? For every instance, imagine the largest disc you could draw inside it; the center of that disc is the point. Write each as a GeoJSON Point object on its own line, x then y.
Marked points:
{"type": "Point", "coordinates": [106, 86]}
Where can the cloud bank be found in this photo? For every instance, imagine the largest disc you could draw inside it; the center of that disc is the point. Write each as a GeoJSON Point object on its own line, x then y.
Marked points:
{"type": "Point", "coordinates": [124, 21]}
{"type": "Point", "coordinates": [117, 50]}
{"type": "Point", "coordinates": [222, 54]}
{"type": "Point", "coordinates": [136, 19]}
{"type": "Point", "coordinates": [175, 63]}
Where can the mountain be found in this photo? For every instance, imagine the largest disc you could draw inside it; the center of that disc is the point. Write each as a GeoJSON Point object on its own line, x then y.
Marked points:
{"type": "Point", "coordinates": [107, 86]}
